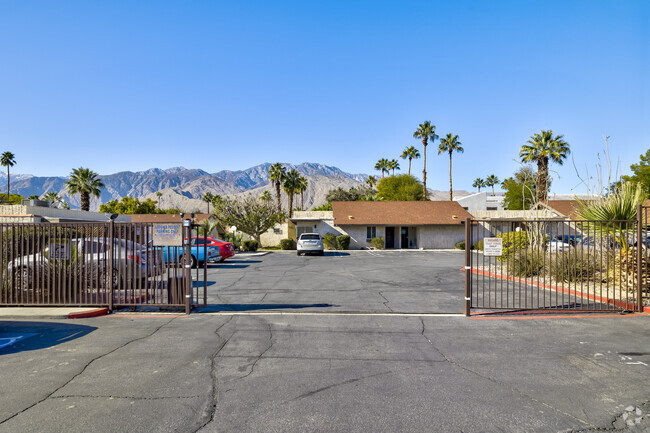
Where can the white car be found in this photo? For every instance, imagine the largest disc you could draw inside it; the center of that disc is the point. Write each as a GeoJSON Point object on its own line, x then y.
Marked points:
{"type": "Point", "coordinates": [310, 243]}
{"type": "Point", "coordinates": [559, 246]}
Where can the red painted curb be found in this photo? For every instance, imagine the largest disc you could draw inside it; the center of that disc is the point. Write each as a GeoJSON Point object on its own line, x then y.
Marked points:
{"type": "Point", "coordinates": [90, 313]}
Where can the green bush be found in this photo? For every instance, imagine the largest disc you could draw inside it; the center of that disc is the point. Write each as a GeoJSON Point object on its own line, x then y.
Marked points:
{"type": "Point", "coordinates": [572, 266]}
{"type": "Point", "coordinates": [527, 263]}
{"type": "Point", "coordinates": [250, 245]}
{"type": "Point", "coordinates": [377, 243]}
{"type": "Point", "coordinates": [478, 245]}
{"type": "Point", "coordinates": [329, 241]}
{"type": "Point", "coordinates": [288, 244]}
{"type": "Point", "coordinates": [460, 245]}
{"type": "Point", "coordinates": [342, 242]}
{"type": "Point", "coordinates": [512, 242]}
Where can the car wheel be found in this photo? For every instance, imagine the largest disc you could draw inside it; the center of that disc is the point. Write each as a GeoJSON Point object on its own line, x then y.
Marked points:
{"type": "Point", "coordinates": [111, 281]}
{"type": "Point", "coordinates": [298, 253]}
{"type": "Point", "coordinates": [192, 261]}
{"type": "Point", "coordinates": [321, 253]}
{"type": "Point", "coordinates": [22, 279]}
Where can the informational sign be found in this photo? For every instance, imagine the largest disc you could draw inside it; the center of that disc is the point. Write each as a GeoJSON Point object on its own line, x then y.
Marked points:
{"type": "Point", "coordinates": [59, 252]}
{"type": "Point", "coordinates": [168, 235]}
{"type": "Point", "coordinates": [493, 247]}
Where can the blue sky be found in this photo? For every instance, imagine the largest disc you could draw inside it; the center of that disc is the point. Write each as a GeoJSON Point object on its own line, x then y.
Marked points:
{"type": "Point", "coordinates": [130, 85]}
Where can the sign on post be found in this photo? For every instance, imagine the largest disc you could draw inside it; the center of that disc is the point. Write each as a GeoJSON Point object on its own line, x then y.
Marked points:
{"type": "Point", "coordinates": [168, 235]}
{"type": "Point", "coordinates": [493, 247]}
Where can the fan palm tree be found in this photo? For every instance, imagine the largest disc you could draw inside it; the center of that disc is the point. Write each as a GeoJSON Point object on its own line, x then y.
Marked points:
{"type": "Point", "coordinates": [85, 182]}
{"type": "Point", "coordinates": [266, 196]}
{"type": "Point", "coordinates": [425, 132]}
{"type": "Point", "coordinates": [371, 181]}
{"type": "Point", "coordinates": [491, 181]}
{"type": "Point", "coordinates": [277, 175]}
{"type": "Point", "coordinates": [8, 159]}
{"type": "Point", "coordinates": [53, 198]}
{"type": "Point", "coordinates": [290, 186]}
{"type": "Point", "coordinates": [208, 197]}
{"type": "Point", "coordinates": [411, 153]}
{"type": "Point", "coordinates": [302, 187]}
{"type": "Point", "coordinates": [450, 144]}
{"type": "Point", "coordinates": [478, 183]}
{"type": "Point", "coordinates": [393, 164]}
{"type": "Point", "coordinates": [382, 165]}
{"type": "Point", "coordinates": [542, 148]}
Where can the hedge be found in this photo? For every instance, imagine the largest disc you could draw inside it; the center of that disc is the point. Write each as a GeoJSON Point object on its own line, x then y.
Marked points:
{"type": "Point", "coordinates": [288, 244]}
{"type": "Point", "coordinates": [342, 242]}
{"type": "Point", "coordinates": [250, 245]}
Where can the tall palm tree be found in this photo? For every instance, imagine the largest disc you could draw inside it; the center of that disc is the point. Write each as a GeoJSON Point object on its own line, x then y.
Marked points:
{"type": "Point", "coordinates": [266, 196]}
{"type": "Point", "coordinates": [371, 181]}
{"type": "Point", "coordinates": [303, 183]}
{"type": "Point", "coordinates": [393, 164]}
{"type": "Point", "coordinates": [53, 198]}
{"type": "Point", "coordinates": [543, 147]}
{"type": "Point", "coordinates": [85, 182]}
{"type": "Point", "coordinates": [277, 174]}
{"type": "Point", "coordinates": [450, 144]}
{"type": "Point", "coordinates": [411, 153]}
{"type": "Point", "coordinates": [8, 159]}
{"type": "Point", "coordinates": [478, 183]}
{"type": "Point", "coordinates": [491, 181]}
{"type": "Point", "coordinates": [382, 165]}
{"type": "Point", "coordinates": [208, 197]}
{"type": "Point", "coordinates": [425, 132]}
{"type": "Point", "coordinates": [290, 186]}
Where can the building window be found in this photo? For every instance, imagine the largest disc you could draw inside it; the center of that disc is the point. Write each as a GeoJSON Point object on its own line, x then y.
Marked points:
{"type": "Point", "coordinates": [465, 207]}
{"type": "Point", "coordinates": [371, 232]}
{"type": "Point", "coordinates": [277, 231]}
{"type": "Point", "coordinates": [491, 208]}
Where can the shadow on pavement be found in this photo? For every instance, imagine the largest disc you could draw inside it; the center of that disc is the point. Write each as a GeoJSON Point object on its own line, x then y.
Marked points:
{"type": "Point", "coordinates": [212, 308]}
{"type": "Point", "coordinates": [18, 337]}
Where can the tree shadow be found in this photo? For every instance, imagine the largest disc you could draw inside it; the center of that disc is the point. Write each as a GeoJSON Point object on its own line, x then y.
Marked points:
{"type": "Point", "coordinates": [214, 308]}
{"type": "Point", "coordinates": [18, 337]}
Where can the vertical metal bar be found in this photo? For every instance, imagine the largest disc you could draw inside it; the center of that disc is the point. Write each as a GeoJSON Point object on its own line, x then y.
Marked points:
{"type": "Point", "coordinates": [639, 258]}
{"type": "Point", "coordinates": [187, 265]}
{"type": "Point", "coordinates": [468, 266]}
{"type": "Point", "coordinates": [205, 265]}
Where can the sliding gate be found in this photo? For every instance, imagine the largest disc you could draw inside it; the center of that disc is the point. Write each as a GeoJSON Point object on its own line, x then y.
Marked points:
{"type": "Point", "coordinates": [557, 264]}
{"type": "Point", "coordinates": [100, 264]}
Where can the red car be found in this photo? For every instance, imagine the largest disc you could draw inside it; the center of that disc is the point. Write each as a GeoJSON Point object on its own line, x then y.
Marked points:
{"type": "Point", "coordinates": [226, 249]}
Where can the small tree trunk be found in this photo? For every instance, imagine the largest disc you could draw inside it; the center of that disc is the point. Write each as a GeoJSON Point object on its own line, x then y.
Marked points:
{"type": "Point", "coordinates": [7, 183]}
{"type": "Point", "coordinates": [290, 194]}
{"type": "Point", "coordinates": [451, 190]}
{"type": "Point", "coordinates": [277, 195]}
{"type": "Point", "coordinates": [542, 180]}
{"type": "Point", "coordinates": [302, 200]}
{"type": "Point", "coordinates": [85, 201]}
{"type": "Point", "coordinates": [424, 171]}
{"type": "Point", "coordinates": [410, 165]}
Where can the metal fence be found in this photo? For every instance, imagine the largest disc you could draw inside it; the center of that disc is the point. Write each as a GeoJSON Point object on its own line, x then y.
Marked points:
{"type": "Point", "coordinates": [97, 264]}
{"type": "Point", "coordinates": [557, 264]}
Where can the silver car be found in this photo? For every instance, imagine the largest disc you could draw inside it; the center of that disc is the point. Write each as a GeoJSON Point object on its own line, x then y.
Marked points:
{"type": "Point", "coordinates": [310, 243]}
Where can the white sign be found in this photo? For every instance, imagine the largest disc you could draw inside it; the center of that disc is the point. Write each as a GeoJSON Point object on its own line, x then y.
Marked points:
{"type": "Point", "coordinates": [493, 247]}
{"type": "Point", "coordinates": [165, 235]}
{"type": "Point", "coordinates": [59, 252]}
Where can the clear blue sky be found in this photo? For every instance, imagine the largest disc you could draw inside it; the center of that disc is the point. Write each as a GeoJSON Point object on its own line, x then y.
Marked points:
{"type": "Point", "coordinates": [130, 85]}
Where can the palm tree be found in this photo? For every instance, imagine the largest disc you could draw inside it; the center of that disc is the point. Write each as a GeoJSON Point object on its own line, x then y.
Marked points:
{"type": "Point", "coordinates": [541, 148]}
{"type": "Point", "coordinates": [8, 159]}
{"type": "Point", "coordinates": [382, 165]}
{"type": "Point", "coordinates": [491, 181]}
{"type": "Point", "coordinates": [302, 187]}
{"type": "Point", "coordinates": [277, 175]}
{"type": "Point", "coordinates": [291, 183]}
{"type": "Point", "coordinates": [208, 197]}
{"type": "Point", "coordinates": [53, 198]}
{"type": "Point", "coordinates": [478, 183]}
{"type": "Point", "coordinates": [450, 144]}
{"type": "Point", "coordinates": [266, 196]}
{"type": "Point", "coordinates": [158, 195]}
{"type": "Point", "coordinates": [425, 132]}
{"type": "Point", "coordinates": [411, 153]}
{"type": "Point", "coordinates": [371, 181]}
{"type": "Point", "coordinates": [85, 182]}
{"type": "Point", "coordinates": [393, 164]}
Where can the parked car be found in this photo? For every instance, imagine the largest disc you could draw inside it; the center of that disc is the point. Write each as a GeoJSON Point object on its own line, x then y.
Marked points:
{"type": "Point", "coordinates": [226, 249]}
{"type": "Point", "coordinates": [197, 254]}
{"type": "Point", "coordinates": [558, 246]}
{"type": "Point", "coordinates": [131, 260]}
{"type": "Point", "coordinates": [310, 243]}
{"type": "Point", "coordinates": [570, 239]}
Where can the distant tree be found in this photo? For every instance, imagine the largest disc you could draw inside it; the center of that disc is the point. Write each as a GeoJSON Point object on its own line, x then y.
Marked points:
{"type": "Point", "coordinates": [520, 189]}
{"type": "Point", "coordinates": [323, 207]}
{"type": "Point", "coordinates": [542, 148]}
{"type": "Point", "coordinates": [371, 181]}
{"type": "Point", "coordinates": [8, 159]}
{"type": "Point", "coordinates": [478, 183]}
{"type": "Point", "coordinates": [382, 165]}
{"type": "Point", "coordinates": [393, 164]}
{"type": "Point", "coordinates": [291, 184]}
{"type": "Point", "coordinates": [54, 198]}
{"type": "Point", "coordinates": [641, 173]}
{"type": "Point", "coordinates": [277, 174]}
{"type": "Point", "coordinates": [208, 197]}
{"type": "Point", "coordinates": [450, 144]}
{"type": "Point", "coordinates": [491, 181]}
{"type": "Point", "coordinates": [303, 183]}
{"type": "Point", "coordinates": [411, 153]}
{"type": "Point", "coordinates": [85, 182]}
{"type": "Point", "coordinates": [266, 196]}
{"type": "Point", "coordinates": [129, 206]}
{"type": "Point", "coordinates": [33, 197]}
{"type": "Point", "coordinates": [425, 132]}
{"type": "Point", "coordinates": [249, 214]}
{"type": "Point", "coordinates": [400, 188]}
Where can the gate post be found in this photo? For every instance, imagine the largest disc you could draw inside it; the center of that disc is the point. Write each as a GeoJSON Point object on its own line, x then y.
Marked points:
{"type": "Point", "coordinates": [468, 266]}
{"type": "Point", "coordinates": [639, 256]}
{"type": "Point", "coordinates": [187, 260]}
{"type": "Point", "coordinates": [111, 259]}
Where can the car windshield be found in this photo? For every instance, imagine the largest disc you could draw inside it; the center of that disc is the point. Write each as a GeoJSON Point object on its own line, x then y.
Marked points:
{"type": "Point", "coordinates": [309, 237]}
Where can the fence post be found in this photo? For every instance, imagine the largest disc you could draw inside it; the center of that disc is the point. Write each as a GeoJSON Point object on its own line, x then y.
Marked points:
{"type": "Point", "coordinates": [111, 259]}
{"type": "Point", "coordinates": [187, 260]}
{"type": "Point", "coordinates": [639, 256]}
{"type": "Point", "coordinates": [468, 266]}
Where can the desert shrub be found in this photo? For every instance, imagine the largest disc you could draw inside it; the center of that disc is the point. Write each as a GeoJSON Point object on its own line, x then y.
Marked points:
{"type": "Point", "coordinates": [250, 245]}
{"type": "Point", "coordinates": [478, 245]}
{"type": "Point", "coordinates": [573, 266]}
{"type": "Point", "coordinates": [512, 242]}
{"type": "Point", "coordinates": [329, 241]}
{"type": "Point", "coordinates": [288, 244]}
{"type": "Point", "coordinates": [460, 245]}
{"type": "Point", "coordinates": [342, 242]}
{"type": "Point", "coordinates": [377, 243]}
{"type": "Point", "coordinates": [527, 263]}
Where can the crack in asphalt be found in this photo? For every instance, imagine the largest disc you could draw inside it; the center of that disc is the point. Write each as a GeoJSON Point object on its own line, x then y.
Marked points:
{"type": "Point", "coordinates": [387, 301]}
{"type": "Point", "coordinates": [127, 397]}
{"type": "Point", "coordinates": [501, 384]}
{"type": "Point", "coordinates": [85, 367]}
{"type": "Point", "coordinates": [618, 418]}
{"type": "Point", "coordinates": [261, 354]}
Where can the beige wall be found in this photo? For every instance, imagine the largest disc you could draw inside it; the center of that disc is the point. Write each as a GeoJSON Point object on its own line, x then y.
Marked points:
{"type": "Point", "coordinates": [272, 239]}
{"type": "Point", "coordinates": [440, 237]}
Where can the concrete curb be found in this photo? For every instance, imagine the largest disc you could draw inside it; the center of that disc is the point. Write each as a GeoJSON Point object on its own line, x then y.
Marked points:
{"type": "Point", "coordinates": [50, 313]}
{"type": "Point", "coordinates": [255, 254]}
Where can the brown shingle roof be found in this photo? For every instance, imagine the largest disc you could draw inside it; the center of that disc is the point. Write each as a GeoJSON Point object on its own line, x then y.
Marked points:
{"type": "Point", "coordinates": [406, 213]}
{"type": "Point", "coordinates": [567, 208]}
{"type": "Point", "coordinates": [167, 218]}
